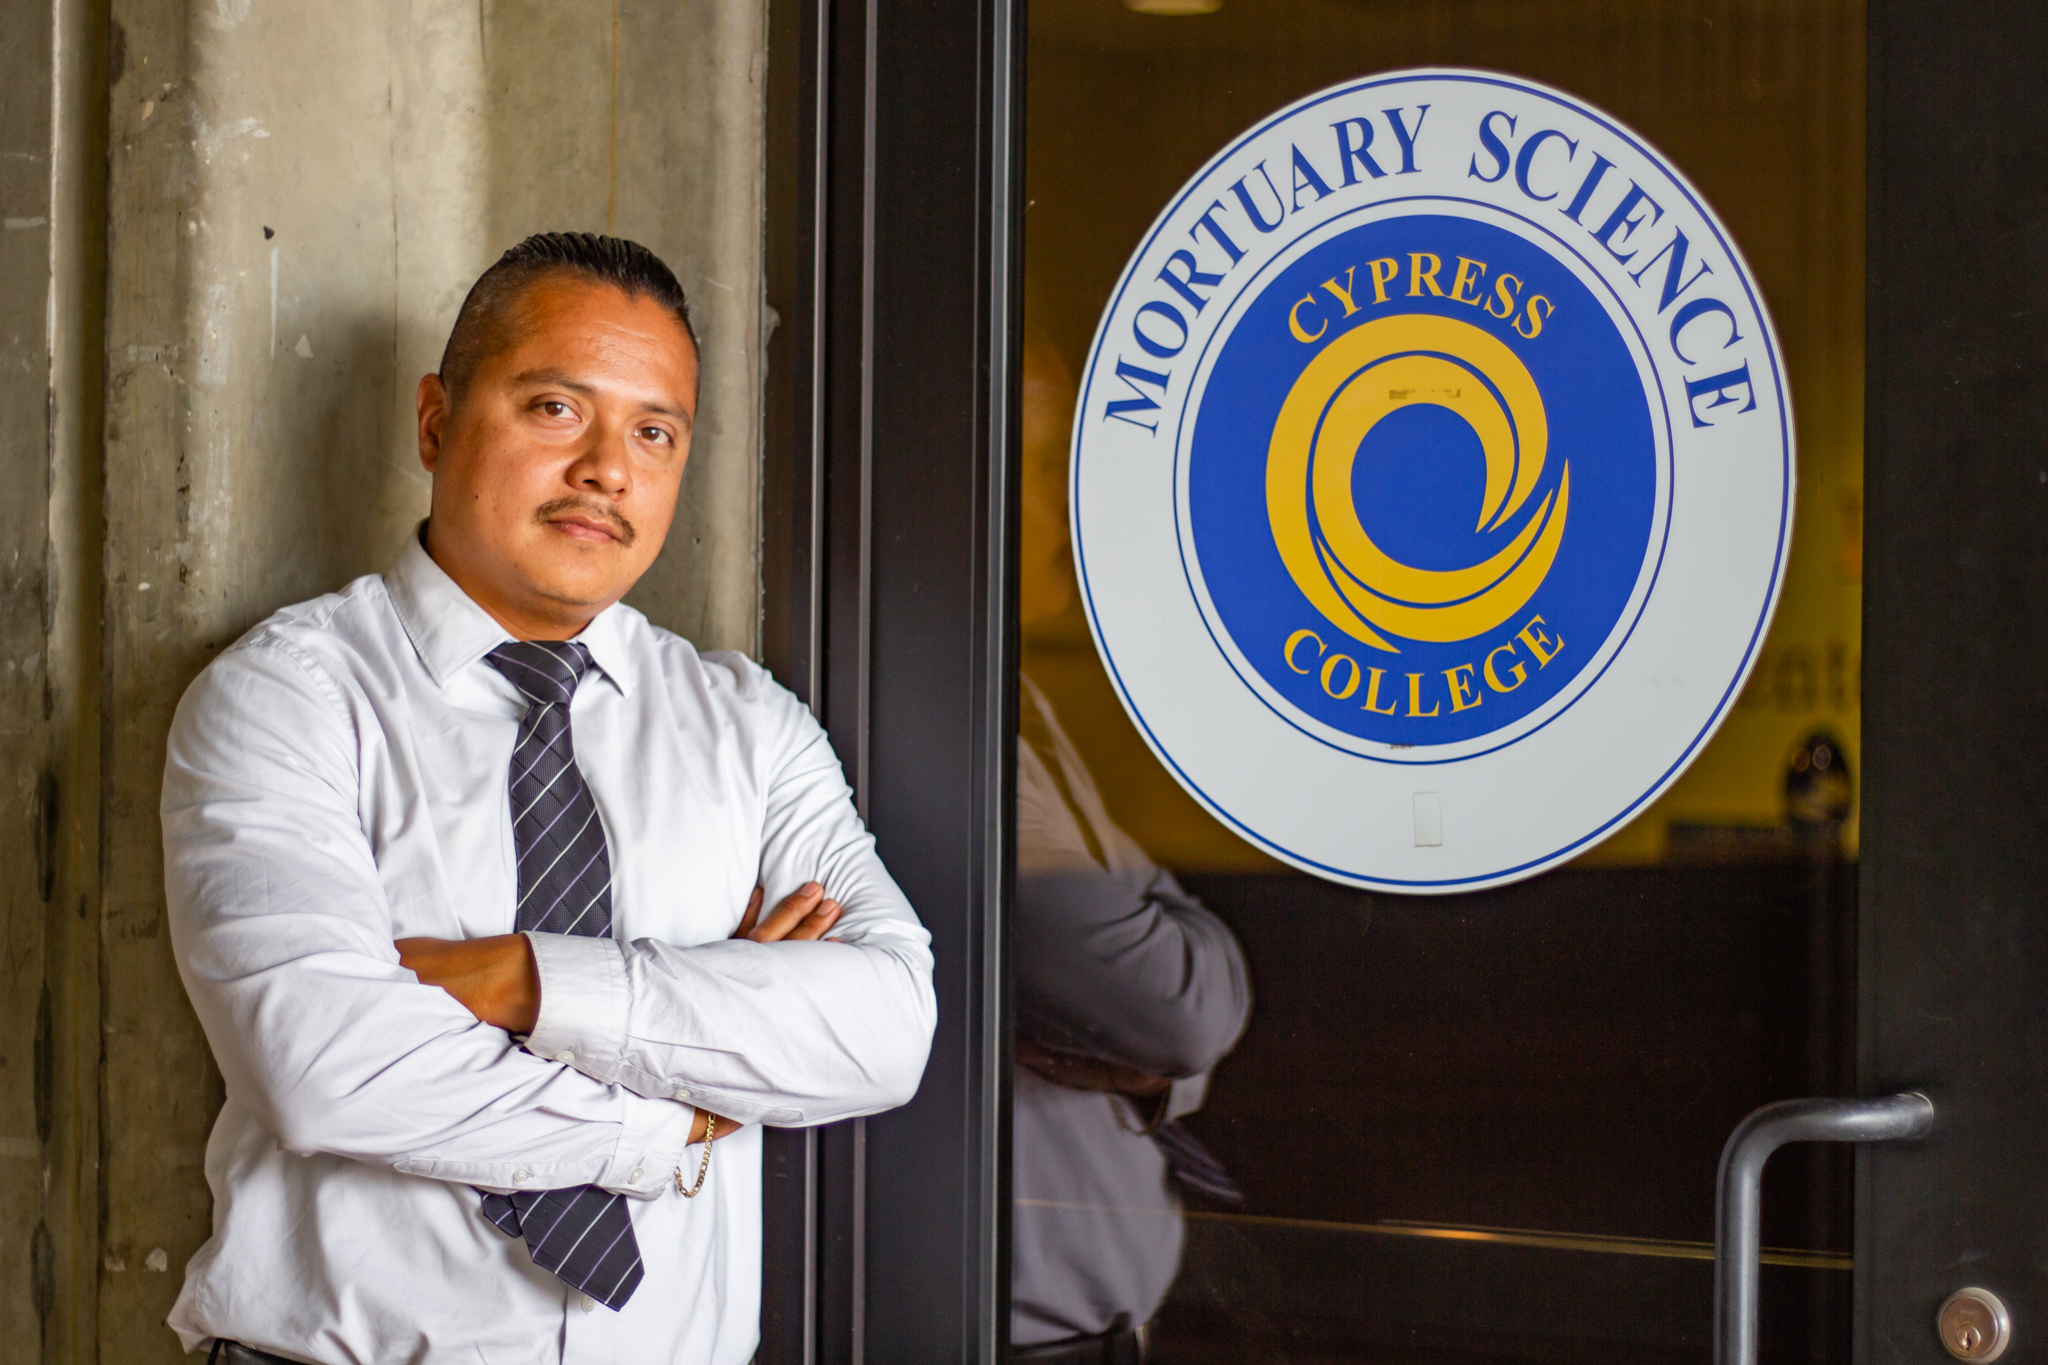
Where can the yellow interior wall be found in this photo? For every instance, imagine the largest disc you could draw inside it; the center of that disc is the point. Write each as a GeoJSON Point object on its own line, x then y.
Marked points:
{"type": "Point", "coordinates": [1759, 102]}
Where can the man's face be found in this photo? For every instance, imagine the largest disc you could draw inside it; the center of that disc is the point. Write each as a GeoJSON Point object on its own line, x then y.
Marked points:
{"type": "Point", "coordinates": [555, 479]}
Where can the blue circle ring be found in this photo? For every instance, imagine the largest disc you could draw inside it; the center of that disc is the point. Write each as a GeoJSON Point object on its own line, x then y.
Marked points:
{"type": "Point", "coordinates": [1584, 685]}
{"type": "Point", "coordinates": [1741, 673]}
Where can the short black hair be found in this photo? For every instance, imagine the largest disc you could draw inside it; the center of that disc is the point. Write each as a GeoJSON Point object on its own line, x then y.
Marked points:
{"type": "Point", "coordinates": [483, 326]}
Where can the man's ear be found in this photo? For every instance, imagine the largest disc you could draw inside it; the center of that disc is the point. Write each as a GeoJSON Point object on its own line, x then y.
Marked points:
{"type": "Point", "coordinates": [433, 405]}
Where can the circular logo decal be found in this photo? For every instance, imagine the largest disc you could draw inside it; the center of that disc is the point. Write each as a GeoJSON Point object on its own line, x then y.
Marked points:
{"type": "Point", "coordinates": [1432, 480]}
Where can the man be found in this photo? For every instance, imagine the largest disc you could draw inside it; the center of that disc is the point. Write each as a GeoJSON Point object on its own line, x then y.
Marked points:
{"type": "Point", "coordinates": [1128, 993]}
{"type": "Point", "coordinates": [456, 861]}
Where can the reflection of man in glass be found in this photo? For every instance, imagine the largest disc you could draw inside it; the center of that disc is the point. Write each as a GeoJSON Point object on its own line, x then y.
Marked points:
{"type": "Point", "coordinates": [1129, 992]}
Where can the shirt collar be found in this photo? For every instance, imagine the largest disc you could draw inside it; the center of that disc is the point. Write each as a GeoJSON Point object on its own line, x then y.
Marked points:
{"type": "Point", "coordinates": [451, 632]}
{"type": "Point", "coordinates": [606, 641]}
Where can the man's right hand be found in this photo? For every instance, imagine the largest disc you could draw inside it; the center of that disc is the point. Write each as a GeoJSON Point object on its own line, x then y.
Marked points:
{"type": "Point", "coordinates": [1090, 1073]}
{"type": "Point", "coordinates": [805, 913]}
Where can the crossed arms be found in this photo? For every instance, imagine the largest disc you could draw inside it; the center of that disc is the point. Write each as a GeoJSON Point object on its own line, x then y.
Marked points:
{"type": "Point", "coordinates": [282, 917]}
{"type": "Point", "coordinates": [497, 979]}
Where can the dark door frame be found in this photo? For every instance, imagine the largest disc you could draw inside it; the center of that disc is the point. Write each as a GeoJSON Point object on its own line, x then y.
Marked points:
{"type": "Point", "coordinates": [890, 492]}
{"type": "Point", "coordinates": [1954, 947]}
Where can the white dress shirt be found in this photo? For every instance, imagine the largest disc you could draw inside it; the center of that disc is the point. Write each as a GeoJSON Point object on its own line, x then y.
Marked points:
{"type": "Point", "coordinates": [338, 779]}
{"type": "Point", "coordinates": [1114, 962]}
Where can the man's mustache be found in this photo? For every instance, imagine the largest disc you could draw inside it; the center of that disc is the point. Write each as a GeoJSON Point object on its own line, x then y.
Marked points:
{"type": "Point", "coordinates": [621, 528]}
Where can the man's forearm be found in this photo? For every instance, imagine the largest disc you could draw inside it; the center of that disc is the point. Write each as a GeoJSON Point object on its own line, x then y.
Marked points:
{"type": "Point", "coordinates": [496, 980]}
{"type": "Point", "coordinates": [493, 978]}
{"type": "Point", "coordinates": [369, 1067]}
{"type": "Point", "coordinates": [788, 1033]}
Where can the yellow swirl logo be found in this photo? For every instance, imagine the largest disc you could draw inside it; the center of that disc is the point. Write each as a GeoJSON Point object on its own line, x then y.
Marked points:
{"type": "Point", "coordinates": [1361, 377]}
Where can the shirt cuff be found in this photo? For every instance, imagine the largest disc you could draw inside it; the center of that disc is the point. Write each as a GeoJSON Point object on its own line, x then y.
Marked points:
{"type": "Point", "coordinates": [650, 1151]}
{"type": "Point", "coordinates": [1188, 1094]}
{"type": "Point", "coordinates": [583, 1000]}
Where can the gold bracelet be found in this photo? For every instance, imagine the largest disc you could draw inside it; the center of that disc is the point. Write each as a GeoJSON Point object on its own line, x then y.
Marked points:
{"type": "Point", "coordinates": [704, 1166]}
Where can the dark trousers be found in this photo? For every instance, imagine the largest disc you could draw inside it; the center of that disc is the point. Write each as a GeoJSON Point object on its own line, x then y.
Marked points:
{"type": "Point", "coordinates": [1119, 1346]}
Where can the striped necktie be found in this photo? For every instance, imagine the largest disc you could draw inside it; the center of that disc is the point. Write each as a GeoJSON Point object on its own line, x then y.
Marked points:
{"type": "Point", "coordinates": [584, 1235]}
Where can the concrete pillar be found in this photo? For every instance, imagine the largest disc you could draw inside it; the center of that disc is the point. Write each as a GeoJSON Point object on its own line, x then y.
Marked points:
{"type": "Point", "coordinates": [296, 197]}
{"type": "Point", "coordinates": [52, 159]}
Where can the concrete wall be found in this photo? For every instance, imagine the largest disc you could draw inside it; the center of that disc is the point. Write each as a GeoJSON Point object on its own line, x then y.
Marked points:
{"type": "Point", "coordinates": [296, 197]}
{"type": "Point", "coordinates": [52, 288]}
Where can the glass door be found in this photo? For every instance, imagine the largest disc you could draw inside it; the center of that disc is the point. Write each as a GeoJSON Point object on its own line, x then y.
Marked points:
{"type": "Point", "coordinates": [1327, 1124]}
{"type": "Point", "coordinates": [1362, 1126]}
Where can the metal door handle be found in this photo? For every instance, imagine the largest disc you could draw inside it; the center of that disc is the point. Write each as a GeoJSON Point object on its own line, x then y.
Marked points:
{"type": "Point", "coordinates": [1738, 1198]}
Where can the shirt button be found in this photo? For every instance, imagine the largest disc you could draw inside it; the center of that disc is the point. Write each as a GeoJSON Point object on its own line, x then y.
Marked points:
{"type": "Point", "coordinates": [521, 1176]}
{"type": "Point", "coordinates": [682, 1092]}
{"type": "Point", "coordinates": [633, 1176]}
{"type": "Point", "coordinates": [585, 1302]}
{"type": "Point", "coordinates": [566, 1057]}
